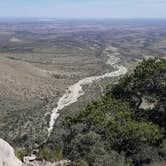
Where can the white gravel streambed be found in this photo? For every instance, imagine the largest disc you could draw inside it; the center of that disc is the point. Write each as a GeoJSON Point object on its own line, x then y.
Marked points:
{"type": "Point", "coordinates": [75, 91]}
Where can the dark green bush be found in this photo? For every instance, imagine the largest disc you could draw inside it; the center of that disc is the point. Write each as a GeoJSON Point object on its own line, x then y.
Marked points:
{"type": "Point", "coordinates": [116, 131]}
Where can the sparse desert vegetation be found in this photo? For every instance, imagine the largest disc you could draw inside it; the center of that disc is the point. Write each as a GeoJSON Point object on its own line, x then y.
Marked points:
{"type": "Point", "coordinates": [39, 60]}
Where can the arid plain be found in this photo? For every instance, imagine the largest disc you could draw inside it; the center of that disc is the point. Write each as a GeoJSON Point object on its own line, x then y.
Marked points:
{"type": "Point", "coordinates": [40, 59]}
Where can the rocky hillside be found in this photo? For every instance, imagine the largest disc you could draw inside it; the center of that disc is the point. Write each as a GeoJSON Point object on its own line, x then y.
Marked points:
{"type": "Point", "coordinates": [126, 126]}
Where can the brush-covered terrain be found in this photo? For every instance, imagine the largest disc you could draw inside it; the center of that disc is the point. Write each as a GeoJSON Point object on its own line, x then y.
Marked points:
{"type": "Point", "coordinates": [40, 59]}
{"type": "Point", "coordinates": [127, 126]}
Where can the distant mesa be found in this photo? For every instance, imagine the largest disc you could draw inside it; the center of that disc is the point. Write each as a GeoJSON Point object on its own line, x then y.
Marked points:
{"type": "Point", "coordinates": [14, 39]}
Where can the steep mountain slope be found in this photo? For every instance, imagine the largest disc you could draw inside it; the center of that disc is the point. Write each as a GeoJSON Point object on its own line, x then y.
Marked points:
{"type": "Point", "coordinates": [115, 130]}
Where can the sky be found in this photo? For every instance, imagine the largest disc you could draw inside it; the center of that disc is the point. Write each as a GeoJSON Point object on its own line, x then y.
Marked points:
{"type": "Point", "coordinates": [83, 8]}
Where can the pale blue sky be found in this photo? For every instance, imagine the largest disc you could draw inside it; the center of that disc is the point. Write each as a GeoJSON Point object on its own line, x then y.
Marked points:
{"type": "Point", "coordinates": [83, 8]}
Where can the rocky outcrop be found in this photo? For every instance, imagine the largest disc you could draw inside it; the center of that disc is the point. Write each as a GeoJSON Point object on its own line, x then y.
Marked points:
{"type": "Point", "coordinates": [46, 163]}
{"type": "Point", "coordinates": [7, 156]}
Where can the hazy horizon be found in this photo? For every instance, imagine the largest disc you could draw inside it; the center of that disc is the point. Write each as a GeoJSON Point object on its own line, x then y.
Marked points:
{"type": "Point", "coordinates": [87, 9]}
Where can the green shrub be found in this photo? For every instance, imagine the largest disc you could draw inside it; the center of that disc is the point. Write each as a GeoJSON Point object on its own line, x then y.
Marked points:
{"type": "Point", "coordinates": [49, 154]}
{"type": "Point", "coordinates": [115, 131]}
{"type": "Point", "coordinates": [22, 153]}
